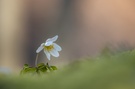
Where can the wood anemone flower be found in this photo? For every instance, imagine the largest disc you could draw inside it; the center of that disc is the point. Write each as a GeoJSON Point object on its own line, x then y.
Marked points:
{"type": "Point", "coordinates": [50, 48]}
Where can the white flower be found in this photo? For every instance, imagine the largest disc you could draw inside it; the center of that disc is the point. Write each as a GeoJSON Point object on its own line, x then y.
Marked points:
{"type": "Point", "coordinates": [50, 48]}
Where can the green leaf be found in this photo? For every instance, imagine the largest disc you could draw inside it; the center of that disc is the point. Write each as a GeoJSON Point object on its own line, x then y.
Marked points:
{"type": "Point", "coordinates": [43, 69]}
{"type": "Point", "coordinates": [28, 70]}
{"type": "Point", "coordinates": [40, 65]}
{"type": "Point", "coordinates": [54, 67]}
{"type": "Point", "coordinates": [26, 66]}
{"type": "Point", "coordinates": [31, 70]}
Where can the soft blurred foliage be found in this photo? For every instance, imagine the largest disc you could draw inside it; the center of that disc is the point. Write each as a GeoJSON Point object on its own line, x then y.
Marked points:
{"type": "Point", "coordinates": [103, 72]}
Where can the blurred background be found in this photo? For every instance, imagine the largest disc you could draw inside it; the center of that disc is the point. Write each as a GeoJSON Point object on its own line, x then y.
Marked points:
{"type": "Point", "coordinates": [85, 28]}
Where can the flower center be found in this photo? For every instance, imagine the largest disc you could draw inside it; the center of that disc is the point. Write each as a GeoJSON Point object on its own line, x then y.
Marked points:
{"type": "Point", "coordinates": [49, 48]}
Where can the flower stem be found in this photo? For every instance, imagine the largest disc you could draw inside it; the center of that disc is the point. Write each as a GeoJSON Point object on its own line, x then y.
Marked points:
{"type": "Point", "coordinates": [36, 60]}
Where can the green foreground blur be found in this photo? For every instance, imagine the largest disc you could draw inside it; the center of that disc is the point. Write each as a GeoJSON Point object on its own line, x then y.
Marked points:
{"type": "Point", "coordinates": [103, 72]}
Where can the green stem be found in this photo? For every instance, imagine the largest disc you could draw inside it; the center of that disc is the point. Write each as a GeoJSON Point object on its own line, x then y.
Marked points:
{"type": "Point", "coordinates": [36, 60]}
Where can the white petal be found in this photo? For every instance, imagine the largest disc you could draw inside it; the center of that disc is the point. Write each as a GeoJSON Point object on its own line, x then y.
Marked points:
{"type": "Point", "coordinates": [40, 48]}
{"type": "Point", "coordinates": [53, 39]}
{"type": "Point", "coordinates": [57, 47]}
{"type": "Point", "coordinates": [47, 54]}
{"type": "Point", "coordinates": [48, 43]}
{"type": "Point", "coordinates": [54, 53]}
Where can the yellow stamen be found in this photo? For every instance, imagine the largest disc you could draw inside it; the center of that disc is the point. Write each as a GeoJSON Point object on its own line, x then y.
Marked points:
{"type": "Point", "coordinates": [49, 48]}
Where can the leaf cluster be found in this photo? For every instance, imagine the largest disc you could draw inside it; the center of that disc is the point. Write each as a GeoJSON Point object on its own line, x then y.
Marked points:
{"type": "Point", "coordinates": [40, 69]}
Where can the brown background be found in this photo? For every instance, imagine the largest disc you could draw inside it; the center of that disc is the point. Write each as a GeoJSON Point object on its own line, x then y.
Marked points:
{"type": "Point", "coordinates": [84, 27]}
